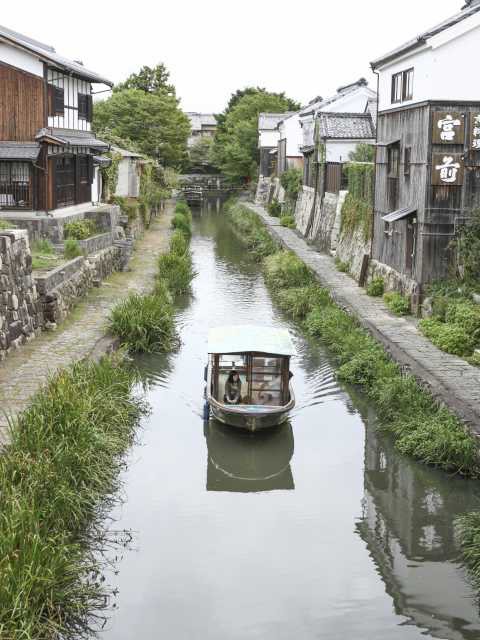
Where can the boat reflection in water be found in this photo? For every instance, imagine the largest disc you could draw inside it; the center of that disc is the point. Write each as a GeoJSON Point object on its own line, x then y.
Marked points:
{"type": "Point", "coordinates": [244, 462]}
{"type": "Point", "coordinates": [408, 526]}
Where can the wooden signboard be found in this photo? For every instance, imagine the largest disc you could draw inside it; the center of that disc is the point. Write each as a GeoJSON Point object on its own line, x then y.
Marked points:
{"type": "Point", "coordinates": [448, 127]}
{"type": "Point", "coordinates": [447, 169]}
{"type": "Point", "coordinates": [475, 131]}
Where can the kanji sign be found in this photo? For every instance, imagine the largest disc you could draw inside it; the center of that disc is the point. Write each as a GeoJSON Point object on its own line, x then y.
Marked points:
{"type": "Point", "coordinates": [447, 169]}
{"type": "Point", "coordinates": [448, 127]}
{"type": "Point", "coordinates": [475, 131]}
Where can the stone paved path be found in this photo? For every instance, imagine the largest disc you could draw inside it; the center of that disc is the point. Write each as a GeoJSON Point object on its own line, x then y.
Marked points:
{"type": "Point", "coordinates": [83, 333]}
{"type": "Point", "coordinates": [450, 379]}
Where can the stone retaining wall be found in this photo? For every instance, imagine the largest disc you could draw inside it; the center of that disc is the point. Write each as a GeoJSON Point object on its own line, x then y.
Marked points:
{"type": "Point", "coordinates": [51, 227]}
{"type": "Point", "coordinates": [63, 287]}
{"type": "Point", "coordinates": [303, 208]}
{"type": "Point", "coordinates": [21, 314]}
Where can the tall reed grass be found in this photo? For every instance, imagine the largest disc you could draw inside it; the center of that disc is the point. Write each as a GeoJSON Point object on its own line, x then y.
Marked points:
{"type": "Point", "coordinates": [59, 477]}
{"type": "Point", "coordinates": [145, 323]}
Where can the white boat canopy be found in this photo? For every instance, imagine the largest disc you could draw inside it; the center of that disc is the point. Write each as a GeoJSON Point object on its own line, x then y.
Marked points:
{"type": "Point", "coordinates": [248, 338]}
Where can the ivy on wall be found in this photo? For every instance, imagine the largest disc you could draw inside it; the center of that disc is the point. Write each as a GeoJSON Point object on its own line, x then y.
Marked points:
{"type": "Point", "coordinates": [357, 210]}
{"type": "Point", "coordinates": [110, 174]}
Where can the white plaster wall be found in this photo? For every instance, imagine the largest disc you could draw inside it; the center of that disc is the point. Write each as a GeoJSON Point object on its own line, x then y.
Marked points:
{"type": "Point", "coordinates": [268, 138]}
{"type": "Point", "coordinates": [353, 102]}
{"type": "Point", "coordinates": [21, 59]}
{"type": "Point", "coordinates": [122, 182]}
{"type": "Point", "coordinates": [338, 150]}
{"type": "Point", "coordinates": [442, 68]}
{"type": "Point", "coordinates": [292, 131]}
{"type": "Point", "coordinates": [97, 185]}
{"type": "Point", "coordinates": [72, 87]}
{"type": "Point", "coordinates": [308, 129]}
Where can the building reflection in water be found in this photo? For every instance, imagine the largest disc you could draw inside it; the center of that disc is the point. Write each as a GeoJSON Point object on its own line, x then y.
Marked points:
{"type": "Point", "coordinates": [408, 526]}
{"type": "Point", "coordinates": [244, 462]}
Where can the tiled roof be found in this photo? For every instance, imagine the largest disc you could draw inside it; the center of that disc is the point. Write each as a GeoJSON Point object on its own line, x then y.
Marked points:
{"type": "Point", "coordinates": [314, 107]}
{"type": "Point", "coordinates": [48, 54]}
{"type": "Point", "coordinates": [73, 138]}
{"type": "Point", "coordinates": [347, 126]}
{"type": "Point", "coordinates": [19, 150]}
{"type": "Point", "coordinates": [269, 121]}
{"type": "Point", "coordinates": [468, 10]}
{"type": "Point", "coordinates": [126, 153]}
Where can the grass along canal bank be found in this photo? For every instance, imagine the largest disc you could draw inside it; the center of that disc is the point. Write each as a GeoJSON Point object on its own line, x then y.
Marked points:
{"type": "Point", "coordinates": [422, 426]}
{"type": "Point", "coordinates": [59, 473]}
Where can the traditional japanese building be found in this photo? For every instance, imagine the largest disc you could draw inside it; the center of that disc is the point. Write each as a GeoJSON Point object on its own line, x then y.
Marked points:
{"type": "Point", "coordinates": [268, 136]}
{"type": "Point", "coordinates": [47, 147]}
{"type": "Point", "coordinates": [355, 99]}
{"type": "Point", "coordinates": [203, 125]}
{"type": "Point", "coordinates": [428, 149]}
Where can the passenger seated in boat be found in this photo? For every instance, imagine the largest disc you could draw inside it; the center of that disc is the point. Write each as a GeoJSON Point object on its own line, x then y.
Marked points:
{"type": "Point", "coordinates": [233, 388]}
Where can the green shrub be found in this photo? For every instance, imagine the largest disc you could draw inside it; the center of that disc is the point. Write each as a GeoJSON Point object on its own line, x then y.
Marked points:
{"type": "Point", "coordinates": [177, 271]}
{"type": "Point", "coordinates": [144, 323]}
{"type": "Point", "coordinates": [376, 287]}
{"type": "Point", "coordinates": [274, 209]}
{"type": "Point", "coordinates": [71, 249]}
{"type": "Point", "coordinates": [284, 270]}
{"type": "Point", "coordinates": [80, 229]}
{"type": "Point", "coordinates": [127, 207]}
{"type": "Point", "coordinates": [59, 478]}
{"type": "Point", "coordinates": [465, 314]}
{"type": "Point", "coordinates": [181, 222]}
{"type": "Point", "coordinates": [438, 439]}
{"type": "Point", "coordinates": [398, 304]}
{"type": "Point", "coordinates": [5, 224]}
{"type": "Point", "coordinates": [362, 368]}
{"type": "Point", "coordinates": [288, 221]}
{"type": "Point", "coordinates": [299, 301]}
{"type": "Point", "coordinates": [182, 207]}
{"type": "Point", "coordinates": [291, 181]}
{"type": "Point", "coordinates": [343, 267]}
{"type": "Point", "coordinates": [43, 247]}
{"type": "Point", "coordinates": [178, 243]}
{"type": "Point", "coordinates": [448, 337]}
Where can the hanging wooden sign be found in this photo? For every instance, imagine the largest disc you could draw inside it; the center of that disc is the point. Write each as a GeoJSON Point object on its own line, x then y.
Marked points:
{"type": "Point", "coordinates": [447, 169]}
{"type": "Point", "coordinates": [448, 127]}
{"type": "Point", "coordinates": [475, 131]}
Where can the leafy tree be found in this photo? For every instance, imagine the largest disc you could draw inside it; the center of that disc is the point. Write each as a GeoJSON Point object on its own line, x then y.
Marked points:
{"type": "Point", "coordinates": [152, 121]}
{"type": "Point", "coordinates": [235, 148]}
{"type": "Point", "coordinates": [363, 153]}
{"type": "Point", "coordinates": [149, 80]}
{"type": "Point", "coordinates": [200, 153]}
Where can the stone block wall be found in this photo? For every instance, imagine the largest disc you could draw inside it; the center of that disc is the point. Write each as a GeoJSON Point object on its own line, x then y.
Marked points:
{"type": "Point", "coordinates": [303, 208]}
{"type": "Point", "coordinates": [52, 227]}
{"type": "Point", "coordinates": [21, 313]}
{"type": "Point", "coordinates": [62, 288]}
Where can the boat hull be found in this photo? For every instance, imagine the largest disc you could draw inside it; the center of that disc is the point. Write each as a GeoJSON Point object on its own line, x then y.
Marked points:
{"type": "Point", "coordinates": [249, 420]}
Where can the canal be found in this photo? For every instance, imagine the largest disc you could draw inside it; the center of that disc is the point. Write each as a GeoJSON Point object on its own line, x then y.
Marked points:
{"type": "Point", "coordinates": [318, 529]}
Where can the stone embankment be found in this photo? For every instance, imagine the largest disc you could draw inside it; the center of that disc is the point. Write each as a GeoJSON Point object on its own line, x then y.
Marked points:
{"type": "Point", "coordinates": [450, 379]}
{"type": "Point", "coordinates": [83, 333]}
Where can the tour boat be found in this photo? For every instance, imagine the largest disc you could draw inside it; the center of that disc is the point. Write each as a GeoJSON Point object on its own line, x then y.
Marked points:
{"type": "Point", "coordinates": [258, 358]}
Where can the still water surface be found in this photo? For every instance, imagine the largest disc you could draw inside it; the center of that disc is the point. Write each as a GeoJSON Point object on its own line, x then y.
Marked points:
{"type": "Point", "coordinates": [318, 529]}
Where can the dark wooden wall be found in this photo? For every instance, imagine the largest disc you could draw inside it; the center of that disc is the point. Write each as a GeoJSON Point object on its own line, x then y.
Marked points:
{"type": "Point", "coordinates": [411, 128]}
{"type": "Point", "coordinates": [21, 104]}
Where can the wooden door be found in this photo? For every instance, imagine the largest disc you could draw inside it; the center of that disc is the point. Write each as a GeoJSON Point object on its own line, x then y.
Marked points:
{"type": "Point", "coordinates": [410, 246]}
{"type": "Point", "coordinates": [65, 181]}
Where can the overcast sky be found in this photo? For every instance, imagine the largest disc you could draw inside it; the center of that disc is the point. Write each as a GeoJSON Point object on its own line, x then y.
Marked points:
{"type": "Point", "coordinates": [211, 47]}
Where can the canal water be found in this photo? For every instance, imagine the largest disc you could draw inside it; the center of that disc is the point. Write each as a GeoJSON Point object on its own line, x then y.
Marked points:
{"type": "Point", "coordinates": [318, 529]}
